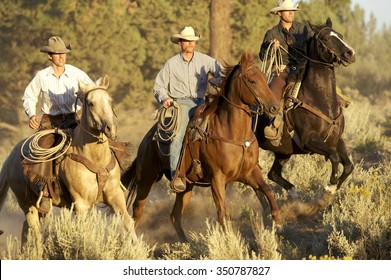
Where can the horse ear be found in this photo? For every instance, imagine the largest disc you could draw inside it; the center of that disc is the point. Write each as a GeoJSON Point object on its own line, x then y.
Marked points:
{"type": "Point", "coordinates": [246, 58]}
{"type": "Point", "coordinates": [80, 94]}
{"type": "Point", "coordinates": [329, 23]}
{"type": "Point", "coordinates": [105, 82]}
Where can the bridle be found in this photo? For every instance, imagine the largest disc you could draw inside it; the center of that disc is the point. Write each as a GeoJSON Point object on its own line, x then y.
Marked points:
{"type": "Point", "coordinates": [100, 137]}
{"type": "Point", "coordinates": [318, 41]}
{"type": "Point", "coordinates": [328, 49]}
{"type": "Point", "coordinates": [260, 106]}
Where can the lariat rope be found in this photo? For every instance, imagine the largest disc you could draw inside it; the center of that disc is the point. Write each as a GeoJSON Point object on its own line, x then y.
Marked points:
{"type": "Point", "coordinates": [275, 59]}
{"type": "Point", "coordinates": [40, 154]}
{"type": "Point", "coordinates": [167, 124]}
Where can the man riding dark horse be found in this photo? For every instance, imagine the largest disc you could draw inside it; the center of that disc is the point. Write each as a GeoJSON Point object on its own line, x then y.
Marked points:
{"type": "Point", "coordinates": [290, 38]}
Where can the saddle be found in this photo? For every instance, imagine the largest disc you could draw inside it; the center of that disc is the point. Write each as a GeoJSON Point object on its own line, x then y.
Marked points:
{"type": "Point", "coordinates": [41, 169]}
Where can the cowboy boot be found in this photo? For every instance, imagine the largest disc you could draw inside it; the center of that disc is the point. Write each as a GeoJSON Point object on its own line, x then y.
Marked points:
{"type": "Point", "coordinates": [273, 131]}
{"type": "Point", "coordinates": [44, 202]}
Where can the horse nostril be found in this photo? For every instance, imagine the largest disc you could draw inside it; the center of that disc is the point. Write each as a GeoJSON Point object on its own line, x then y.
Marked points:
{"type": "Point", "coordinates": [349, 54]}
{"type": "Point", "coordinates": [273, 110]}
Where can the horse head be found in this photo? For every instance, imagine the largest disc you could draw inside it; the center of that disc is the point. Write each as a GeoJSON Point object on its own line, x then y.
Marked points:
{"type": "Point", "coordinates": [97, 113]}
{"type": "Point", "coordinates": [253, 86]}
{"type": "Point", "coordinates": [330, 45]}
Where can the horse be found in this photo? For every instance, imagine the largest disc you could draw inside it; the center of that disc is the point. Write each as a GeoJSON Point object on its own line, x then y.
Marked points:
{"type": "Point", "coordinates": [88, 169]}
{"type": "Point", "coordinates": [228, 150]}
{"type": "Point", "coordinates": [317, 119]}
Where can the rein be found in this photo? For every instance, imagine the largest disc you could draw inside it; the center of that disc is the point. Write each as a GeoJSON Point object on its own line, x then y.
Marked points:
{"type": "Point", "coordinates": [260, 107]}
{"type": "Point", "coordinates": [100, 136]}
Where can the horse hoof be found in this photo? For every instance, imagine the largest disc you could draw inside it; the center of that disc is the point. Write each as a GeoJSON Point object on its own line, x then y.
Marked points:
{"type": "Point", "coordinates": [331, 189]}
{"type": "Point", "coordinates": [279, 228]}
{"type": "Point", "coordinates": [292, 194]}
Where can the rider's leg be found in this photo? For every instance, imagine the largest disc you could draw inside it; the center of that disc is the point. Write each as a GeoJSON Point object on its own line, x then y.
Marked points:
{"type": "Point", "coordinates": [187, 108]}
{"type": "Point", "coordinates": [277, 85]}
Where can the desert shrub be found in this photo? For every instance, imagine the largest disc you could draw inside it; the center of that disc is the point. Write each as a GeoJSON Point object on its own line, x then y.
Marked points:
{"type": "Point", "coordinates": [93, 237]}
{"type": "Point", "coordinates": [360, 219]}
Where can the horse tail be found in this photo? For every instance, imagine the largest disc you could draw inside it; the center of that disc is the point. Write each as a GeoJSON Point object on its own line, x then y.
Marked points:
{"type": "Point", "coordinates": [128, 179]}
{"type": "Point", "coordinates": [4, 186]}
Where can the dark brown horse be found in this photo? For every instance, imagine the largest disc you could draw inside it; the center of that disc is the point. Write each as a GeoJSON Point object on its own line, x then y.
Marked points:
{"type": "Point", "coordinates": [317, 119]}
{"type": "Point", "coordinates": [227, 149]}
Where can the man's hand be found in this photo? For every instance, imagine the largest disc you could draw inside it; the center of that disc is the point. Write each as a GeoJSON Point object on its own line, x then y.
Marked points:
{"type": "Point", "coordinates": [33, 122]}
{"type": "Point", "coordinates": [167, 103]}
{"type": "Point", "coordinates": [276, 43]}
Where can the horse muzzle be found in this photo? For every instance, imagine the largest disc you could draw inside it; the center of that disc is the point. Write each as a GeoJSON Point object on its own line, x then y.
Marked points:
{"type": "Point", "coordinates": [110, 131]}
{"type": "Point", "coordinates": [349, 57]}
{"type": "Point", "coordinates": [273, 110]}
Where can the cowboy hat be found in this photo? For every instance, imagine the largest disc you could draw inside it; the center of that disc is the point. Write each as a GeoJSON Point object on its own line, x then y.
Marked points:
{"type": "Point", "coordinates": [56, 45]}
{"type": "Point", "coordinates": [284, 5]}
{"type": "Point", "coordinates": [186, 34]}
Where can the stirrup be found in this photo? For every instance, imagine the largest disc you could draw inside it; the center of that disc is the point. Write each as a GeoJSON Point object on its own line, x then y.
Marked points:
{"type": "Point", "coordinates": [177, 185]}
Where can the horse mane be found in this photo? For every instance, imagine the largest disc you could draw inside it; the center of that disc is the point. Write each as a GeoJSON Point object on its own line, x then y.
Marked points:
{"type": "Point", "coordinates": [223, 91]}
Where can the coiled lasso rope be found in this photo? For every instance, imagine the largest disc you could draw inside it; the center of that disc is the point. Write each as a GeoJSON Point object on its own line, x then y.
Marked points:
{"type": "Point", "coordinates": [168, 124]}
{"type": "Point", "coordinates": [40, 154]}
{"type": "Point", "coordinates": [275, 58]}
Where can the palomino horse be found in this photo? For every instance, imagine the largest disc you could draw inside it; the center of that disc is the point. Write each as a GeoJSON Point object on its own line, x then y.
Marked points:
{"type": "Point", "coordinates": [89, 170]}
{"type": "Point", "coordinates": [228, 150]}
{"type": "Point", "coordinates": [317, 119]}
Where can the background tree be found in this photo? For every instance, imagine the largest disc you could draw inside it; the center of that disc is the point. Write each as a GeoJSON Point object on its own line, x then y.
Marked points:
{"type": "Point", "coordinates": [220, 30]}
{"type": "Point", "coordinates": [129, 41]}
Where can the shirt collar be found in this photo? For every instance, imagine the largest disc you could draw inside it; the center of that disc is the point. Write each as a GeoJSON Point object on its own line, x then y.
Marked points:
{"type": "Point", "coordinates": [293, 27]}
{"type": "Point", "coordinates": [66, 71]}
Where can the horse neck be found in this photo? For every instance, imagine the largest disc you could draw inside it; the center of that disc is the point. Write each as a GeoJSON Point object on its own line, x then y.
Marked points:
{"type": "Point", "coordinates": [92, 146]}
{"type": "Point", "coordinates": [233, 121]}
{"type": "Point", "coordinates": [322, 93]}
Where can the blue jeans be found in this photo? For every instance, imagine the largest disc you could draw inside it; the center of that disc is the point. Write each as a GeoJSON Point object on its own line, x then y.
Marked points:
{"type": "Point", "coordinates": [187, 108]}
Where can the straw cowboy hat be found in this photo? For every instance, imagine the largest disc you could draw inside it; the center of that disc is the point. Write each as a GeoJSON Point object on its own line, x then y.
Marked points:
{"type": "Point", "coordinates": [284, 5]}
{"type": "Point", "coordinates": [56, 45]}
{"type": "Point", "coordinates": [186, 34]}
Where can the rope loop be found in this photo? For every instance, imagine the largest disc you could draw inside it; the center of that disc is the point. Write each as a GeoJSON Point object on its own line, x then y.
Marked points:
{"type": "Point", "coordinates": [41, 154]}
{"type": "Point", "coordinates": [167, 124]}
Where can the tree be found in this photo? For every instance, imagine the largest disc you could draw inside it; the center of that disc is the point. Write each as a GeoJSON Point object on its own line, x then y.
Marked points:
{"type": "Point", "coordinates": [220, 30]}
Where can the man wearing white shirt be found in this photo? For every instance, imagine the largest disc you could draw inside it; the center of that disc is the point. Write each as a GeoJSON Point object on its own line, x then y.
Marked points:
{"type": "Point", "coordinates": [57, 84]}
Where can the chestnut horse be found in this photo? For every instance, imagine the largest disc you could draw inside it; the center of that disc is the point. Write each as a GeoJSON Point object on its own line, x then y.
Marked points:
{"type": "Point", "coordinates": [227, 150]}
{"type": "Point", "coordinates": [89, 170]}
{"type": "Point", "coordinates": [317, 118]}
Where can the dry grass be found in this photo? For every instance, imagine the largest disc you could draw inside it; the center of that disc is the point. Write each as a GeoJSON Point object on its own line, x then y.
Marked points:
{"type": "Point", "coordinates": [355, 224]}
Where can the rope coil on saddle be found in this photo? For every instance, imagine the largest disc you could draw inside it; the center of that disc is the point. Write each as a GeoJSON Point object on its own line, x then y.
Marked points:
{"type": "Point", "coordinates": [40, 154]}
{"type": "Point", "coordinates": [167, 124]}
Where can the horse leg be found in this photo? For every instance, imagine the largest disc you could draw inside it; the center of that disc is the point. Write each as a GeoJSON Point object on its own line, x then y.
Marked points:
{"type": "Point", "coordinates": [31, 222]}
{"type": "Point", "coordinates": [181, 202]}
{"type": "Point", "coordinates": [275, 174]}
{"type": "Point", "coordinates": [317, 145]}
{"type": "Point", "coordinates": [347, 164]}
{"type": "Point", "coordinates": [117, 201]}
{"type": "Point", "coordinates": [257, 182]}
{"type": "Point", "coordinates": [144, 186]}
{"type": "Point", "coordinates": [218, 193]}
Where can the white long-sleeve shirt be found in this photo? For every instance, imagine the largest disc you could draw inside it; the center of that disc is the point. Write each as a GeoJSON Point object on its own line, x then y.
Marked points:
{"type": "Point", "coordinates": [58, 94]}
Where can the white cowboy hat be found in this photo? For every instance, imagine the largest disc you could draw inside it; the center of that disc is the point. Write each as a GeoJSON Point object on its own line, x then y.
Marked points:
{"type": "Point", "coordinates": [284, 5]}
{"type": "Point", "coordinates": [56, 45]}
{"type": "Point", "coordinates": [186, 34]}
